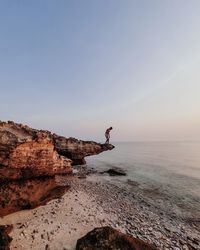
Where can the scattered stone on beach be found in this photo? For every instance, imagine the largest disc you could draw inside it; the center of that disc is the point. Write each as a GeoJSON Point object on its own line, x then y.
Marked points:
{"type": "Point", "coordinates": [132, 183]}
{"type": "Point", "coordinates": [92, 203]}
{"type": "Point", "coordinates": [5, 239]}
{"type": "Point", "coordinates": [107, 238]}
{"type": "Point", "coordinates": [114, 171]}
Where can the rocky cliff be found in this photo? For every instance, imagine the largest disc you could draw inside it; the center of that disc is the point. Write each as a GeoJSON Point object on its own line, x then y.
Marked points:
{"type": "Point", "coordinates": [27, 152]}
{"type": "Point", "coordinates": [25, 194]}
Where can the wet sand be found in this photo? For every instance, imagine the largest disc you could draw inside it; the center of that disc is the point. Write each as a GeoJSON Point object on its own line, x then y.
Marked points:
{"type": "Point", "coordinates": [92, 202]}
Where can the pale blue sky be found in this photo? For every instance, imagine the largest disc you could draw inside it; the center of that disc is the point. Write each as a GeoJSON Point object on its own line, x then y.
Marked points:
{"type": "Point", "coordinates": [77, 67]}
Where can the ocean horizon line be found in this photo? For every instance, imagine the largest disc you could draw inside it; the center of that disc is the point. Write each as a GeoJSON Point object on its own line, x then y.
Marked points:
{"type": "Point", "coordinates": [156, 141]}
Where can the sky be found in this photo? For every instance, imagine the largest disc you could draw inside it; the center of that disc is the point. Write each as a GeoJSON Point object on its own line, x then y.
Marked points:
{"type": "Point", "coordinates": [78, 67]}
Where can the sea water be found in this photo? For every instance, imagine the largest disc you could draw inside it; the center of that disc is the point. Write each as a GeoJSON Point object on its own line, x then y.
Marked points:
{"type": "Point", "coordinates": [166, 173]}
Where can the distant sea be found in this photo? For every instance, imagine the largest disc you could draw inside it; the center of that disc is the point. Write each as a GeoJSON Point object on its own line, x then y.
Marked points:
{"type": "Point", "coordinates": [165, 173]}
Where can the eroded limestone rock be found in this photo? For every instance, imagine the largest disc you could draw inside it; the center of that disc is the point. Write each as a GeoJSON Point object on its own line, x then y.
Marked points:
{"type": "Point", "coordinates": [26, 194]}
{"type": "Point", "coordinates": [77, 150]}
{"type": "Point", "coordinates": [27, 152]}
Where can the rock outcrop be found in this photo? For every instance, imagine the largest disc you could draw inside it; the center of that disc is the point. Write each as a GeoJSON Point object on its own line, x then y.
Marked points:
{"type": "Point", "coordinates": [27, 194]}
{"type": "Point", "coordinates": [107, 238]}
{"type": "Point", "coordinates": [27, 152]}
{"type": "Point", "coordinates": [114, 171]}
{"type": "Point", "coordinates": [5, 239]}
{"type": "Point", "coordinates": [77, 150]}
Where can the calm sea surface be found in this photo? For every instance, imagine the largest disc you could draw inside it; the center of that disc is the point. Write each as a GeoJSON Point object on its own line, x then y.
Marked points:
{"type": "Point", "coordinates": [165, 172]}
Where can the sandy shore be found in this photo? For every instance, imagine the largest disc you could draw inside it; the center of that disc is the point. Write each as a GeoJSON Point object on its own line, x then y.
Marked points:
{"type": "Point", "coordinates": [94, 202]}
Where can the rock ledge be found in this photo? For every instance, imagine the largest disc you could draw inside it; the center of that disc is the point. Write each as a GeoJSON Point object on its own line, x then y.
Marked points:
{"type": "Point", "coordinates": [26, 153]}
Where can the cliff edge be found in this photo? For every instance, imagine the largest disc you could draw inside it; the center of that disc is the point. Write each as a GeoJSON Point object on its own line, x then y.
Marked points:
{"type": "Point", "coordinates": [26, 152]}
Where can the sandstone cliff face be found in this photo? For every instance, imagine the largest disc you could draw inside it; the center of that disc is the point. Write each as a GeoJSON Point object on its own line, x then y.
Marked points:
{"type": "Point", "coordinates": [27, 152]}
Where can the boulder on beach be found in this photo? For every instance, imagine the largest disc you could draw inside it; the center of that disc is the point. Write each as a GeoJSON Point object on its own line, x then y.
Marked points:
{"type": "Point", "coordinates": [5, 239]}
{"type": "Point", "coordinates": [107, 238]}
{"type": "Point", "coordinates": [114, 171]}
{"type": "Point", "coordinates": [27, 152]}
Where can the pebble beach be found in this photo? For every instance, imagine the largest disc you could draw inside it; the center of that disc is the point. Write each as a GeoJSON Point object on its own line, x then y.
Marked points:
{"type": "Point", "coordinates": [92, 201]}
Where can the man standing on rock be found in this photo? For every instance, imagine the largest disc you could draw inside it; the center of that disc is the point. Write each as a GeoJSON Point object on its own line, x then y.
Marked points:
{"type": "Point", "coordinates": [107, 134]}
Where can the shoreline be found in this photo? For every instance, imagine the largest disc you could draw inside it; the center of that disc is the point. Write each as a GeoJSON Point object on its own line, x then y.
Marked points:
{"type": "Point", "coordinates": [95, 202]}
